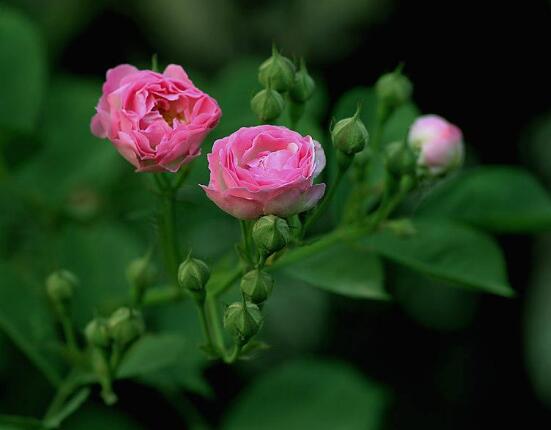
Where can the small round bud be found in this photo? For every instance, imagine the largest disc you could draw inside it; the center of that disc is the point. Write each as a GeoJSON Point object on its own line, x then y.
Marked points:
{"type": "Point", "coordinates": [270, 234]}
{"type": "Point", "coordinates": [257, 285]}
{"type": "Point", "coordinates": [242, 322]}
{"type": "Point", "coordinates": [400, 160]}
{"type": "Point", "coordinates": [140, 273]}
{"type": "Point", "coordinates": [193, 275]}
{"type": "Point", "coordinates": [436, 144]}
{"type": "Point", "coordinates": [60, 286]}
{"type": "Point", "coordinates": [303, 87]}
{"type": "Point", "coordinates": [393, 89]}
{"type": "Point", "coordinates": [97, 333]}
{"type": "Point", "coordinates": [267, 104]}
{"type": "Point", "coordinates": [125, 325]}
{"type": "Point", "coordinates": [349, 135]}
{"type": "Point", "coordinates": [277, 72]}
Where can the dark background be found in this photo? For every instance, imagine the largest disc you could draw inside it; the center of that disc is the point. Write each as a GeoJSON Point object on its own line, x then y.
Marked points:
{"type": "Point", "coordinates": [484, 66]}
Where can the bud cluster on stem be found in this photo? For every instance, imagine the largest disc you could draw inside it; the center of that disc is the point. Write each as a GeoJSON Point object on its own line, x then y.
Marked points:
{"type": "Point", "coordinates": [283, 84]}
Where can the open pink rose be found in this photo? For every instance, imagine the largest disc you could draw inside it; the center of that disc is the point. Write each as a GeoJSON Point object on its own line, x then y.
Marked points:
{"type": "Point", "coordinates": [265, 170]}
{"type": "Point", "coordinates": [156, 121]}
{"type": "Point", "coordinates": [438, 144]}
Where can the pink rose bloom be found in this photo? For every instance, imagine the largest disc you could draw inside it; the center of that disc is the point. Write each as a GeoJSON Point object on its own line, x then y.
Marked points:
{"type": "Point", "coordinates": [438, 143]}
{"type": "Point", "coordinates": [156, 121]}
{"type": "Point", "coordinates": [265, 170]}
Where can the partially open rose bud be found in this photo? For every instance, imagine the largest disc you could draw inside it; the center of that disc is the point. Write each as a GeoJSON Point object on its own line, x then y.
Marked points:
{"type": "Point", "coordinates": [437, 144]}
{"type": "Point", "coordinates": [157, 121]}
{"type": "Point", "coordinates": [265, 170]}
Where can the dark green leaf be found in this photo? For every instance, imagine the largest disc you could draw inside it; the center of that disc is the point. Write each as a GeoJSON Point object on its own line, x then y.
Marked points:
{"type": "Point", "coordinates": [74, 166]}
{"type": "Point", "coordinates": [98, 255]}
{"type": "Point", "coordinates": [152, 353]}
{"type": "Point", "coordinates": [11, 422]}
{"type": "Point", "coordinates": [25, 317]}
{"type": "Point", "coordinates": [99, 418]}
{"type": "Point", "coordinates": [23, 71]}
{"type": "Point", "coordinates": [343, 269]}
{"type": "Point", "coordinates": [501, 199]}
{"type": "Point", "coordinates": [447, 251]}
{"type": "Point", "coordinates": [309, 395]}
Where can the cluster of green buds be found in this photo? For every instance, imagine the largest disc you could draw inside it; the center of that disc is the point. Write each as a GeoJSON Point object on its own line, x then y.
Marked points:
{"type": "Point", "coordinates": [243, 319]}
{"type": "Point", "coordinates": [280, 77]}
{"type": "Point", "coordinates": [108, 339]}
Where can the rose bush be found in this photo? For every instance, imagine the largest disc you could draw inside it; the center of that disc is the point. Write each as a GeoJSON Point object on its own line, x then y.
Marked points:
{"type": "Point", "coordinates": [156, 121]}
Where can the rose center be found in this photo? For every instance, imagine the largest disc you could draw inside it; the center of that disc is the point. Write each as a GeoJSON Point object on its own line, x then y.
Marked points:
{"type": "Point", "coordinates": [170, 112]}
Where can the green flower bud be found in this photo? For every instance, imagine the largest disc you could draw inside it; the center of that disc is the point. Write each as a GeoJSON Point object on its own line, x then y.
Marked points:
{"type": "Point", "coordinates": [125, 326]}
{"type": "Point", "coordinates": [349, 135]}
{"type": "Point", "coordinates": [193, 275]}
{"type": "Point", "coordinates": [268, 105]}
{"type": "Point", "coordinates": [242, 322]}
{"type": "Point", "coordinates": [393, 89]}
{"type": "Point", "coordinates": [304, 86]}
{"type": "Point", "coordinates": [60, 286]}
{"type": "Point", "coordinates": [270, 234]}
{"type": "Point", "coordinates": [97, 333]}
{"type": "Point", "coordinates": [257, 285]}
{"type": "Point", "coordinates": [140, 274]}
{"type": "Point", "coordinates": [277, 72]}
{"type": "Point", "coordinates": [400, 160]}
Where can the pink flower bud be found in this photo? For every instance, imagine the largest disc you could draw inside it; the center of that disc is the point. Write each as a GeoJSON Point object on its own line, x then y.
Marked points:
{"type": "Point", "coordinates": [156, 121]}
{"type": "Point", "coordinates": [265, 170]}
{"type": "Point", "coordinates": [437, 143]}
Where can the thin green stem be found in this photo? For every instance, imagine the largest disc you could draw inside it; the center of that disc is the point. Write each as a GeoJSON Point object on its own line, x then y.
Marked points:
{"type": "Point", "coordinates": [246, 241]}
{"type": "Point", "coordinates": [168, 232]}
{"type": "Point", "coordinates": [233, 355]}
{"type": "Point", "coordinates": [65, 390]}
{"type": "Point", "coordinates": [69, 333]}
{"type": "Point", "coordinates": [204, 321]}
{"type": "Point", "coordinates": [215, 325]}
{"type": "Point", "coordinates": [161, 296]}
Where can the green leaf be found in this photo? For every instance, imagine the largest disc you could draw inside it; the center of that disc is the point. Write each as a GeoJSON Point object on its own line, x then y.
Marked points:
{"type": "Point", "coordinates": [98, 255]}
{"type": "Point", "coordinates": [12, 422]}
{"type": "Point", "coordinates": [152, 353]}
{"type": "Point", "coordinates": [500, 199]}
{"type": "Point", "coordinates": [26, 319]}
{"type": "Point", "coordinates": [446, 251]}
{"type": "Point", "coordinates": [73, 167]}
{"type": "Point", "coordinates": [23, 71]}
{"type": "Point", "coordinates": [343, 269]}
{"type": "Point", "coordinates": [74, 403]}
{"type": "Point", "coordinates": [309, 394]}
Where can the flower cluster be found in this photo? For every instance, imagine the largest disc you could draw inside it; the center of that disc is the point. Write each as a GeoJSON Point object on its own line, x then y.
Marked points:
{"type": "Point", "coordinates": [263, 175]}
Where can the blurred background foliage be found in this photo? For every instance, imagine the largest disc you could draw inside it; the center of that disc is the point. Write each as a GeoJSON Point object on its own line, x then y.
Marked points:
{"type": "Point", "coordinates": [435, 357]}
